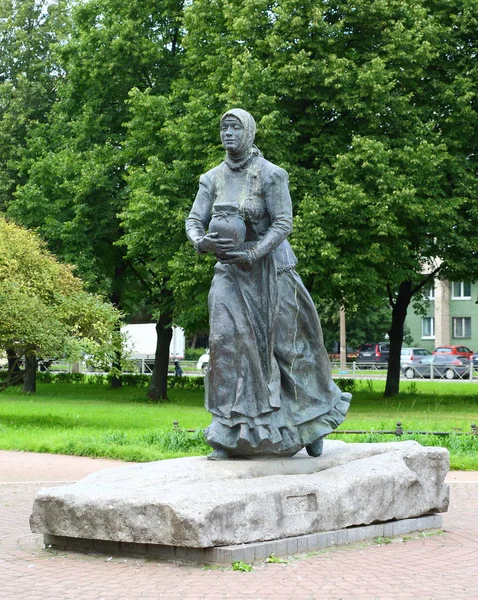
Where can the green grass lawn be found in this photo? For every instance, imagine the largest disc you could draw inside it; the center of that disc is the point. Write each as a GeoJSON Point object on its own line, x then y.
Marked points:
{"type": "Point", "coordinates": [93, 420]}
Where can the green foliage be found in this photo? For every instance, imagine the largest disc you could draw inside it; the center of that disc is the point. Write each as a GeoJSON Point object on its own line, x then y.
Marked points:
{"type": "Point", "coordinates": [382, 540]}
{"type": "Point", "coordinates": [362, 324]}
{"type": "Point", "coordinates": [194, 354]}
{"type": "Point", "coordinates": [240, 565]}
{"type": "Point", "coordinates": [45, 377]}
{"type": "Point", "coordinates": [110, 113]}
{"type": "Point", "coordinates": [346, 384]}
{"type": "Point", "coordinates": [74, 192]}
{"type": "Point", "coordinates": [275, 559]}
{"type": "Point", "coordinates": [356, 103]}
{"type": "Point", "coordinates": [28, 31]}
{"type": "Point", "coordinates": [62, 377]}
{"type": "Point", "coordinates": [134, 379]}
{"type": "Point", "coordinates": [44, 309]}
{"type": "Point", "coordinates": [186, 382]}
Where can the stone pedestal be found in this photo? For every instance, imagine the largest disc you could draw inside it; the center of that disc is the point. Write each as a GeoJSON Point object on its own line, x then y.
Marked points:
{"type": "Point", "coordinates": [189, 507]}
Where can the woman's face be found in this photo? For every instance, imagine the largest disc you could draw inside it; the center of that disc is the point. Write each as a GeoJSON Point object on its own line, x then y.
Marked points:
{"type": "Point", "coordinates": [232, 134]}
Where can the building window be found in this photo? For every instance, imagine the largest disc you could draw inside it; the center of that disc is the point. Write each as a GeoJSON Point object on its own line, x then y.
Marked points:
{"type": "Point", "coordinates": [461, 290]}
{"type": "Point", "coordinates": [429, 291]}
{"type": "Point", "coordinates": [462, 327]}
{"type": "Point", "coordinates": [428, 327]}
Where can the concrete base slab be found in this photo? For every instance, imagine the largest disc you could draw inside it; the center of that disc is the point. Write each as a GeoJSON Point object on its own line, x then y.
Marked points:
{"type": "Point", "coordinates": [250, 553]}
{"type": "Point", "coordinates": [196, 504]}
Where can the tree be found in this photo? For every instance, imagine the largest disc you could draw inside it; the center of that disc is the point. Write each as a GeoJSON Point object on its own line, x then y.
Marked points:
{"type": "Point", "coordinates": [363, 325]}
{"type": "Point", "coordinates": [45, 310]}
{"type": "Point", "coordinates": [370, 107]}
{"type": "Point", "coordinates": [399, 202]}
{"type": "Point", "coordinates": [161, 193]}
{"type": "Point", "coordinates": [28, 31]}
{"type": "Point", "coordinates": [75, 191]}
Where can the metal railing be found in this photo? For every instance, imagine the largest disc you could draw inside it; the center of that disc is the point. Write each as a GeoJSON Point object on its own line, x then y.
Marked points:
{"type": "Point", "coordinates": [398, 431]}
{"type": "Point", "coordinates": [468, 372]}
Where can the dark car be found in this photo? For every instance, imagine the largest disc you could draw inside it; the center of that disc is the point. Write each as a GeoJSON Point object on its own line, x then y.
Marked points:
{"type": "Point", "coordinates": [373, 353]}
{"type": "Point", "coordinates": [445, 366]}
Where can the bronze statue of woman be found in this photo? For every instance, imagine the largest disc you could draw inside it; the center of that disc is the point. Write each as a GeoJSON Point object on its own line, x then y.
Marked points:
{"type": "Point", "coordinates": [269, 386]}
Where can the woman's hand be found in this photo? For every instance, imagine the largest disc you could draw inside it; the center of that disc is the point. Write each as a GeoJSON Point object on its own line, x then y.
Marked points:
{"type": "Point", "coordinates": [240, 257]}
{"type": "Point", "coordinates": [211, 243]}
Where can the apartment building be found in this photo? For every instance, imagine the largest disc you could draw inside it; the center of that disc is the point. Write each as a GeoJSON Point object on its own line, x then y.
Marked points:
{"type": "Point", "coordinates": [451, 319]}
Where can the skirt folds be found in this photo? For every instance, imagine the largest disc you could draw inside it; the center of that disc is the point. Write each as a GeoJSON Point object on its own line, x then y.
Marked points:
{"type": "Point", "coordinates": [269, 386]}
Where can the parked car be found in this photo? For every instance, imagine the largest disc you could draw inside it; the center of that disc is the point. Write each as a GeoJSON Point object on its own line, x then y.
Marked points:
{"type": "Point", "coordinates": [409, 355]}
{"type": "Point", "coordinates": [203, 362]}
{"type": "Point", "coordinates": [445, 366]}
{"type": "Point", "coordinates": [373, 352]}
{"type": "Point", "coordinates": [455, 350]}
{"type": "Point", "coordinates": [474, 360]}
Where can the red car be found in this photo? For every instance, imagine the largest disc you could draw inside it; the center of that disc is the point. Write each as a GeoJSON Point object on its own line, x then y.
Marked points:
{"type": "Point", "coordinates": [456, 350]}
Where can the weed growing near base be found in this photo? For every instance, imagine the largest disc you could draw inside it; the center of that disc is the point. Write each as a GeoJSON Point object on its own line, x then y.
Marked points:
{"type": "Point", "coordinates": [242, 566]}
{"type": "Point", "coordinates": [382, 540]}
{"type": "Point", "coordinates": [275, 559]}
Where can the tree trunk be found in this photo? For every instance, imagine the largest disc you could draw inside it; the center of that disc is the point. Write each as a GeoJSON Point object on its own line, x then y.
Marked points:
{"type": "Point", "coordinates": [343, 340]}
{"type": "Point", "coordinates": [14, 374]}
{"type": "Point", "coordinates": [14, 371]}
{"type": "Point", "coordinates": [158, 387]}
{"type": "Point", "coordinates": [117, 380]}
{"type": "Point", "coordinates": [30, 378]}
{"type": "Point", "coordinates": [399, 312]}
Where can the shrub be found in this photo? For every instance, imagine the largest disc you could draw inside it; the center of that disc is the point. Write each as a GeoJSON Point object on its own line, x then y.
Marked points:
{"type": "Point", "coordinates": [133, 379]}
{"type": "Point", "coordinates": [186, 382]}
{"type": "Point", "coordinates": [69, 377]}
{"type": "Point", "coordinates": [346, 384]}
{"type": "Point", "coordinates": [45, 377]}
{"type": "Point", "coordinates": [194, 354]}
{"type": "Point", "coordinates": [97, 378]}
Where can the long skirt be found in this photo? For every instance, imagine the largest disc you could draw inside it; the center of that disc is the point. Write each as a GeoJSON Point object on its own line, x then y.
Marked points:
{"type": "Point", "coordinates": [269, 386]}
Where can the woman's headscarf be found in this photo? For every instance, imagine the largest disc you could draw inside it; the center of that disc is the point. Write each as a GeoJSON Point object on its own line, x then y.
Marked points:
{"type": "Point", "coordinates": [246, 149]}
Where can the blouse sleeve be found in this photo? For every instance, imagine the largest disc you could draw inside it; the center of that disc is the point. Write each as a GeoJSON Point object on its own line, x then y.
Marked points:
{"type": "Point", "coordinates": [200, 215]}
{"type": "Point", "coordinates": [279, 206]}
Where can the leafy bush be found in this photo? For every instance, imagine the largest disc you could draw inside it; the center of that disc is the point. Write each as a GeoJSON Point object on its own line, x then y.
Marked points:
{"type": "Point", "coordinates": [45, 377]}
{"type": "Point", "coordinates": [69, 377]}
{"type": "Point", "coordinates": [97, 378]}
{"type": "Point", "coordinates": [194, 354]}
{"type": "Point", "coordinates": [346, 384]}
{"type": "Point", "coordinates": [133, 379]}
{"type": "Point", "coordinates": [186, 382]}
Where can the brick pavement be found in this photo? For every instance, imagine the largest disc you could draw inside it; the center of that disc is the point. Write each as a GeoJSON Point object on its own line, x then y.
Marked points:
{"type": "Point", "coordinates": [417, 567]}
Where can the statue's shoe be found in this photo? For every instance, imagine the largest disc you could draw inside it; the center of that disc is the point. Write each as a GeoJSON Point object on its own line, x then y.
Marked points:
{"type": "Point", "coordinates": [218, 455]}
{"type": "Point", "coordinates": [316, 448]}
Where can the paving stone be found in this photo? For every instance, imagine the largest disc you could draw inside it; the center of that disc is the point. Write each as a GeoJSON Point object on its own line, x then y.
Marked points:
{"type": "Point", "coordinates": [439, 567]}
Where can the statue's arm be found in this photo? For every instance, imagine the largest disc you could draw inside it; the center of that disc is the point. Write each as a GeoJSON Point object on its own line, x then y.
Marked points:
{"type": "Point", "coordinates": [198, 222]}
{"type": "Point", "coordinates": [200, 215]}
{"type": "Point", "coordinates": [279, 206]}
